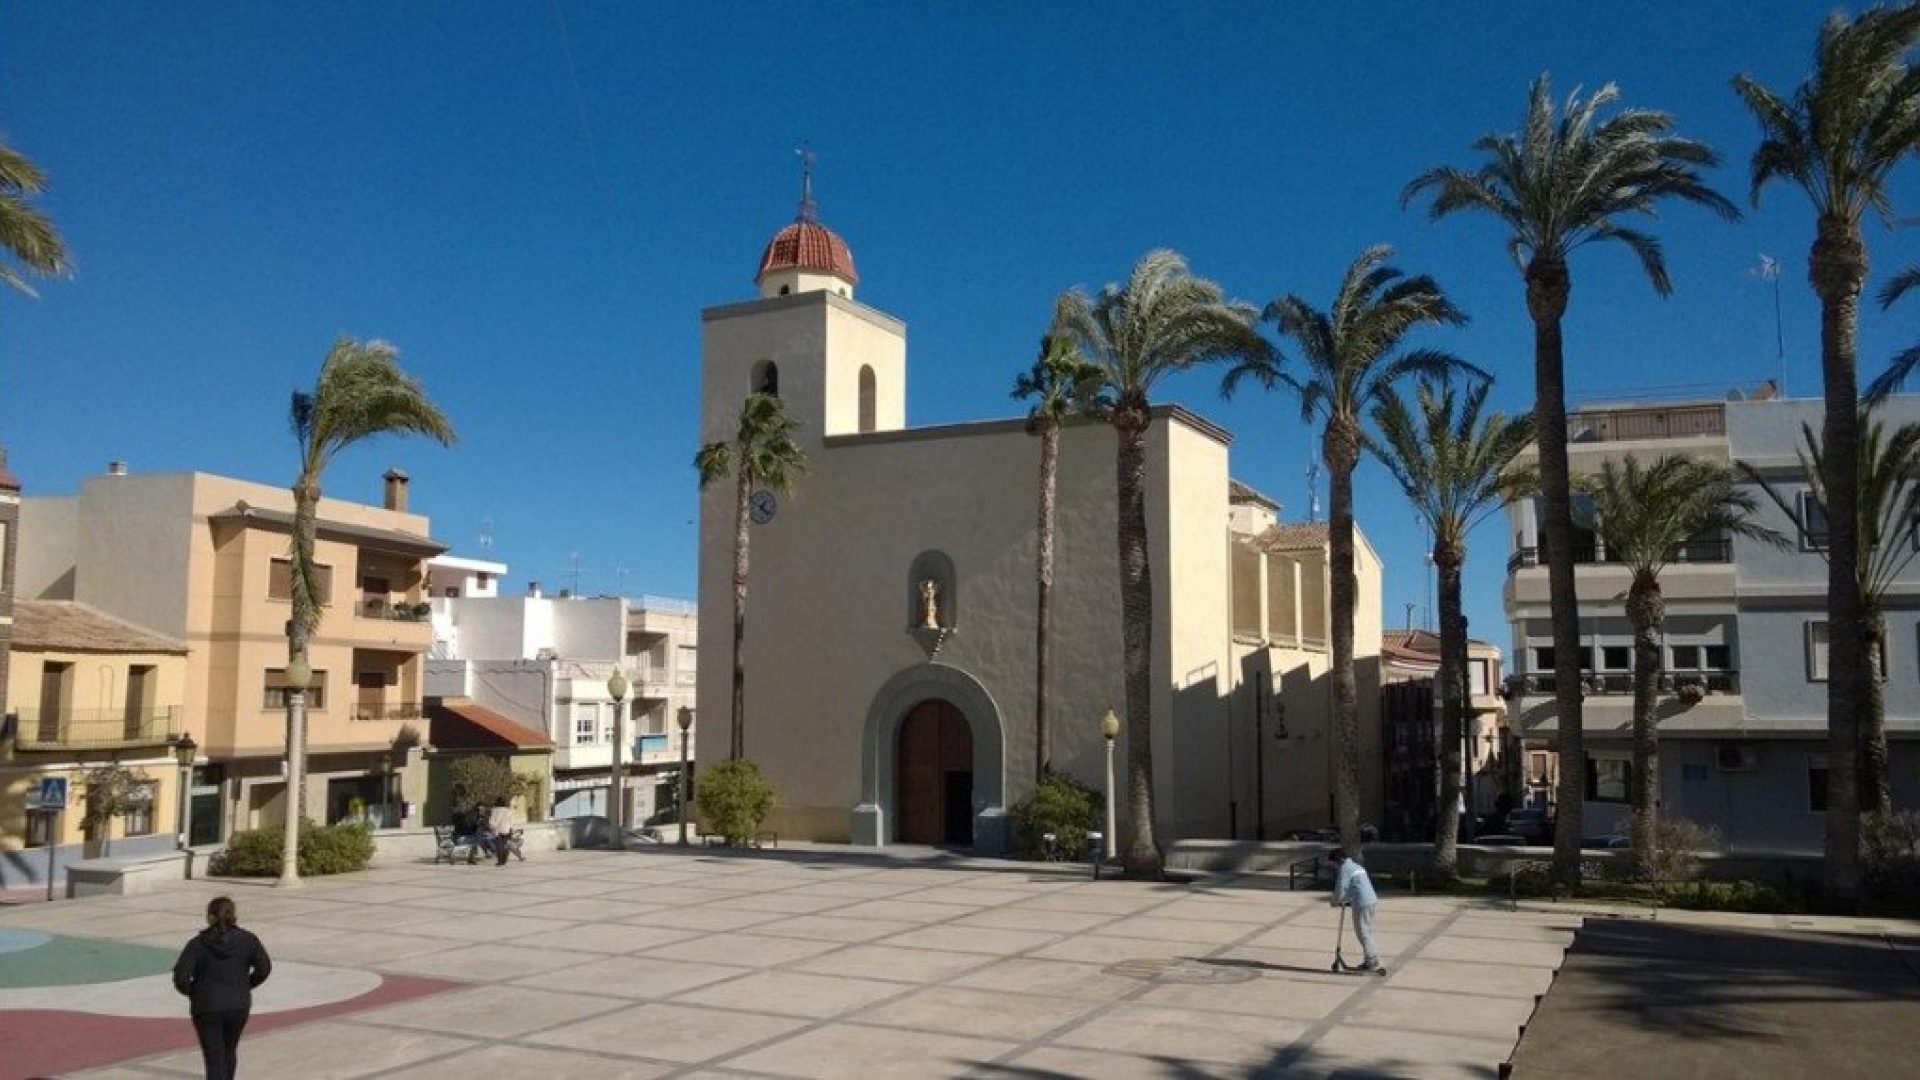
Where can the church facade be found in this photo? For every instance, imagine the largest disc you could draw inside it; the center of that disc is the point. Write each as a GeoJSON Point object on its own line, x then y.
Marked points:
{"type": "Point", "coordinates": [889, 646]}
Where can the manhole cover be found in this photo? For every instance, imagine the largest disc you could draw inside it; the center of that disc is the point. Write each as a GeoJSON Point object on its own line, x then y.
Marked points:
{"type": "Point", "coordinates": [1182, 971]}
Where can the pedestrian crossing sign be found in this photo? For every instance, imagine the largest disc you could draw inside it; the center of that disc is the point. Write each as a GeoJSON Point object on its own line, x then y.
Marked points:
{"type": "Point", "coordinates": [53, 793]}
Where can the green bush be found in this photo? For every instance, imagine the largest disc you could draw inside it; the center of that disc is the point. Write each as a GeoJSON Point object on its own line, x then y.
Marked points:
{"type": "Point", "coordinates": [734, 798]}
{"type": "Point", "coordinates": [324, 849]}
{"type": "Point", "coordinates": [1748, 896]}
{"type": "Point", "coordinates": [1675, 858]}
{"type": "Point", "coordinates": [1059, 805]}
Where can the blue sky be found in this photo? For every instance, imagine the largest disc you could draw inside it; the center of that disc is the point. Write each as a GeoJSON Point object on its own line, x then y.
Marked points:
{"type": "Point", "coordinates": [535, 200]}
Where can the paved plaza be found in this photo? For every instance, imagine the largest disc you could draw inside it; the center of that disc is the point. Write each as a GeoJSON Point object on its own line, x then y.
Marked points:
{"type": "Point", "coordinates": [809, 962]}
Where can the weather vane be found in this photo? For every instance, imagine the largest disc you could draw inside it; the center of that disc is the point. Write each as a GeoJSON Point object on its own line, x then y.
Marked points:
{"type": "Point", "coordinates": [808, 211]}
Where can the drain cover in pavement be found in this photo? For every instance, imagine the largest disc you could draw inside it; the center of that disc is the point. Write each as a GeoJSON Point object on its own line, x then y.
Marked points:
{"type": "Point", "coordinates": [1181, 971]}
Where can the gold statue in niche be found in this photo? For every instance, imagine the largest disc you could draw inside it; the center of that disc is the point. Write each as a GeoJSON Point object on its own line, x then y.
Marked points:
{"type": "Point", "coordinates": [930, 604]}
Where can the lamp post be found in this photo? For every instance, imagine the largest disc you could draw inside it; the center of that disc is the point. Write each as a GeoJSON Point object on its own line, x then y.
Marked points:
{"type": "Point", "coordinates": [1109, 727]}
{"type": "Point", "coordinates": [685, 719]}
{"type": "Point", "coordinates": [299, 675]}
{"type": "Point", "coordinates": [617, 690]}
{"type": "Point", "coordinates": [184, 750]}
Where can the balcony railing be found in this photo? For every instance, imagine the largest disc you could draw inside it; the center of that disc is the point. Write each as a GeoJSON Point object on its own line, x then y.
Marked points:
{"type": "Point", "coordinates": [397, 610]}
{"type": "Point", "coordinates": [1653, 422]}
{"type": "Point", "coordinates": [38, 729]}
{"type": "Point", "coordinates": [1693, 551]}
{"type": "Point", "coordinates": [367, 713]}
{"type": "Point", "coordinates": [1620, 683]}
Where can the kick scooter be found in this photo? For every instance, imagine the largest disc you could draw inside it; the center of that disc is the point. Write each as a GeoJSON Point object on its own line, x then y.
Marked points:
{"type": "Point", "coordinates": [1340, 965]}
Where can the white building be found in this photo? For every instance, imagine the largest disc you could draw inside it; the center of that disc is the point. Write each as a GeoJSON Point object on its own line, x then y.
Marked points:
{"type": "Point", "coordinates": [545, 662]}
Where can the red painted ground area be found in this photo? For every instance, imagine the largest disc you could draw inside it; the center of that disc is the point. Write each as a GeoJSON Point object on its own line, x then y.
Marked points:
{"type": "Point", "coordinates": [39, 1043]}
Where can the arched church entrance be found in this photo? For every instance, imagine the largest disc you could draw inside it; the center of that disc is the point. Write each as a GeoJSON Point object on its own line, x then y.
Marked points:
{"type": "Point", "coordinates": [935, 775]}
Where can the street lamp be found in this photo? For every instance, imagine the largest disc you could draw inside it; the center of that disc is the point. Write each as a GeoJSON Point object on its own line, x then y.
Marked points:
{"type": "Point", "coordinates": [686, 724]}
{"type": "Point", "coordinates": [184, 750]}
{"type": "Point", "coordinates": [1109, 727]}
{"type": "Point", "coordinates": [299, 675]}
{"type": "Point", "coordinates": [617, 690]}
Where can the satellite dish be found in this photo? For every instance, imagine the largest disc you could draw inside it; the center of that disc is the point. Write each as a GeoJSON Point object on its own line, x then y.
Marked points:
{"type": "Point", "coordinates": [1735, 395]}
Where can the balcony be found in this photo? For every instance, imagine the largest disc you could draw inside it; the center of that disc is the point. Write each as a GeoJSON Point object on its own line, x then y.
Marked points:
{"type": "Point", "coordinates": [385, 712]}
{"type": "Point", "coordinates": [1693, 551]}
{"type": "Point", "coordinates": [399, 610]}
{"type": "Point", "coordinates": [1620, 684]}
{"type": "Point", "coordinates": [94, 729]}
{"type": "Point", "coordinates": [1706, 420]}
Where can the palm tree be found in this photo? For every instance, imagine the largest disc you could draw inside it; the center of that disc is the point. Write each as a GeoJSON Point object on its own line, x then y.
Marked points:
{"type": "Point", "coordinates": [1645, 515]}
{"type": "Point", "coordinates": [1062, 383]}
{"type": "Point", "coordinates": [1455, 469]}
{"type": "Point", "coordinates": [1562, 182]}
{"type": "Point", "coordinates": [1163, 320]}
{"type": "Point", "coordinates": [1351, 356]}
{"type": "Point", "coordinates": [1889, 500]}
{"type": "Point", "coordinates": [361, 393]}
{"type": "Point", "coordinates": [1837, 139]}
{"type": "Point", "coordinates": [25, 233]}
{"type": "Point", "coordinates": [763, 452]}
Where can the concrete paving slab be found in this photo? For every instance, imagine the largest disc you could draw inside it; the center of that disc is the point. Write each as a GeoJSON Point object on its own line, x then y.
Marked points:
{"type": "Point", "coordinates": [520, 1062]}
{"type": "Point", "coordinates": [894, 963]}
{"type": "Point", "coordinates": [665, 1032]}
{"type": "Point", "coordinates": [984, 1014]}
{"type": "Point", "coordinates": [843, 1050]}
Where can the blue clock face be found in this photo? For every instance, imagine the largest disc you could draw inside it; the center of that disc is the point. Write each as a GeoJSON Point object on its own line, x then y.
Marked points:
{"type": "Point", "coordinates": [760, 507]}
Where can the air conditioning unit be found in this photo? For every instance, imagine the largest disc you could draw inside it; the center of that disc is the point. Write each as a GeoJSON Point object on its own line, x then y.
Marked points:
{"type": "Point", "coordinates": [1736, 757]}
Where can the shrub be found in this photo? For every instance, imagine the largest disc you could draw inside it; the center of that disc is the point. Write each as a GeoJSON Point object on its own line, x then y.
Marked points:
{"type": "Point", "coordinates": [1890, 857]}
{"type": "Point", "coordinates": [1059, 805]}
{"type": "Point", "coordinates": [479, 781]}
{"type": "Point", "coordinates": [734, 798]}
{"type": "Point", "coordinates": [324, 849]}
{"type": "Point", "coordinates": [1675, 854]}
{"type": "Point", "coordinates": [1748, 896]}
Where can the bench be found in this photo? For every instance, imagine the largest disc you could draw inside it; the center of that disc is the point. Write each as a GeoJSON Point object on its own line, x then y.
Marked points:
{"type": "Point", "coordinates": [452, 846]}
{"type": "Point", "coordinates": [1311, 870]}
{"type": "Point", "coordinates": [760, 839]}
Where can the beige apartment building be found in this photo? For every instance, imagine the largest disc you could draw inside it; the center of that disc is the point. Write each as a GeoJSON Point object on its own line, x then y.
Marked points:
{"type": "Point", "coordinates": [203, 560]}
{"type": "Point", "coordinates": [889, 647]}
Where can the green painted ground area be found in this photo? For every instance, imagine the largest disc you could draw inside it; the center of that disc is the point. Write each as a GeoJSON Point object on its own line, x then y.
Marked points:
{"type": "Point", "coordinates": [76, 961]}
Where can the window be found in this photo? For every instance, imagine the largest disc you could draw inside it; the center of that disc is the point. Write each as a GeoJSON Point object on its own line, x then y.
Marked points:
{"type": "Point", "coordinates": [1608, 779]}
{"type": "Point", "coordinates": [277, 690]}
{"type": "Point", "coordinates": [867, 394]}
{"type": "Point", "coordinates": [280, 581]}
{"type": "Point", "coordinates": [686, 660]}
{"type": "Point", "coordinates": [1817, 783]}
{"type": "Point", "coordinates": [766, 378]}
{"type": "Point", "coordinates": [1616, 658]}
{"type": "Point", "coordinates": [138, 820]}
{"type": "Point", "coordinates": [1719, 658]}
{"type": "Point", "coordinates": [39, 829]}
{"type": "Point", "coordinates": [1813, 523]}
{"type": "Point", "coordinates": [1543, 658]}
{"type": "Point", "coordinates": [586, 725]}
{"type": "Point", "coordinates": [1817, 651]}
{"type": "Point", "coordinates": [1685, 657]}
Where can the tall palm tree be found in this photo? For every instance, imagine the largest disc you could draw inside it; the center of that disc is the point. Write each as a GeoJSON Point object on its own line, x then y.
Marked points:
{"type": "Point", "coordinates": [1455, 469]}
{"type": "Point", "coordinates": [1837, 138]}
{"type": "Point", "coordinates": [1889, 500]}
{"type": "Point", "coordinates": [25, 233]}
{"type": "Point", "coordinates": [762, 453]}
{"type": "Point", "coordinates": [1645, 514]}
{"type": "Point", "coordinates": [1564, 181]}
{"type": "Point", "coordinates": [1352, 358]}
{"type": "Point", "coordinates": [1162, 321]}
{"type": "Point", "coordinates": [361, 392]}
{"type": "Point", "coordinates": [1061, 384]}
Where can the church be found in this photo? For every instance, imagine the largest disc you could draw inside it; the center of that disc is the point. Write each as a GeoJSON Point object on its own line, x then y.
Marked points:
{"type": "Point", "coordinates": [890, 621]}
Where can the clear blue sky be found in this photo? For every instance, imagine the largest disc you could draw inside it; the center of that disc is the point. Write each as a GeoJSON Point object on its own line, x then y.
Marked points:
{"type": "Point", "coordinates": [535, 200]}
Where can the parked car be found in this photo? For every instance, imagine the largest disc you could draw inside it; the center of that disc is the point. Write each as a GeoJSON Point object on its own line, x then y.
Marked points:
{"type": "Point", "coordinates": [1369, 834]}
{"type": "Point", "coordinates": [1610, 842]}
{"type": "Point", "coordinates": [1531, 824]}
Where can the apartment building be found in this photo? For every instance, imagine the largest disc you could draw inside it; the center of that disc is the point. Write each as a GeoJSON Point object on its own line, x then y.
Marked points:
{"type": "Point", "coordinates": [545, 662]}
{"type": "Point", "coordinates": [203, 560]}
{"type": "Point", "coordinates": [1742, 706]}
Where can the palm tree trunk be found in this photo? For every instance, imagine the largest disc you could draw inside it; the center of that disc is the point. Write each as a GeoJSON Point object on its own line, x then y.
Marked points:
{"type": "Point", "coordinates": [737, 746]}
{"type": "Point", "coordinates": [1340, 447]}
{"type": "Point", "coordinates": [1548, 287]}
{"type": "Point", "coordinates": [306, 608]}
{"type": "Point", "coordinates": [1140, 857]}
{"type": "Point", "coordinates": [1043, 616]}
{"type": "Point", "coordinates": [1837, 267]}
{"type": "Point", "coordinates": [1447, 560]}
{"type": "Point", "coordinates": [1646, 609]}
{"type": "Point", "coordinates": [1876, 785]}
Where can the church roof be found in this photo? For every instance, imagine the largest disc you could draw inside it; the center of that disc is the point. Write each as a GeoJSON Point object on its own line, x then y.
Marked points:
{"type": "Point", "coordinates": [66, 625]}
{"type": "Point", "coordinates": [808, 245]}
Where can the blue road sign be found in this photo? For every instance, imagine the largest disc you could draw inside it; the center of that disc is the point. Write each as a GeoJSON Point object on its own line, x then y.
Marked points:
{"type": "Point", "coordinates": [53, 793]}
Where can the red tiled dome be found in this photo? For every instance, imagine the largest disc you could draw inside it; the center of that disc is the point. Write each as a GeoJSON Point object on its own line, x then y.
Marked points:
{"type": "Point", "coordinates": [807, 245]}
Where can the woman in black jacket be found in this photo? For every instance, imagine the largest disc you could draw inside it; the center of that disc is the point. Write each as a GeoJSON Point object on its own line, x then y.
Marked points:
{"type": "Point", "coordinates": [217, 971]}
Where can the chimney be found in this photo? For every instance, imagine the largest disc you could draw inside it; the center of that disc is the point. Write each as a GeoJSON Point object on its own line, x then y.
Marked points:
{"type": "Point", "coordinates": [116, 468]}
{"type": "Point", "coordinates": [396, 499]}
{"type": "Point", "coordinates": [533, 590]}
